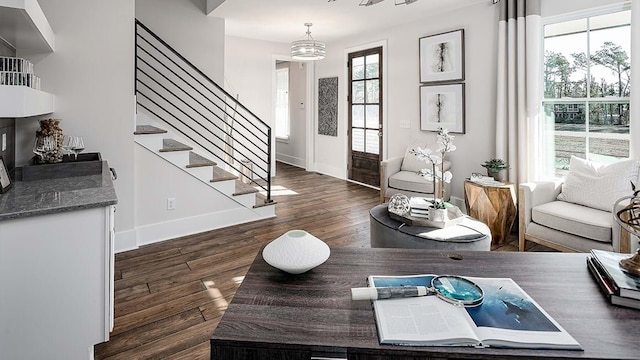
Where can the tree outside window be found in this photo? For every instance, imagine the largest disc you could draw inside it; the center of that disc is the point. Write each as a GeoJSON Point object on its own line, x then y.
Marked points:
{"type": "Point", "coordinates": [586, 75]}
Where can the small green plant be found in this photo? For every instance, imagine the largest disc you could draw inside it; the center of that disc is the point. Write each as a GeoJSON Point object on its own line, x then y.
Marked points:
{"type": "Point", "coordinates": [495, 165]}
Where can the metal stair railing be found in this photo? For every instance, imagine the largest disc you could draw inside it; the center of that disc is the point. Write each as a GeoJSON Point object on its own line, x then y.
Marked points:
{"type": "Point", "coordinates": [176, 92]}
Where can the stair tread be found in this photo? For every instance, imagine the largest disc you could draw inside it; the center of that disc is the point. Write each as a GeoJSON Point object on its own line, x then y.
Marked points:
{"type": "Point", "coordinates": [242, 189]}
{"type": "Point", "coordinates": [220, 174]}
{"type": "Point", "coordinates": [197, 160]}
{"type": "Point", "coordinates": [148, 129]}
{"type": "Point", "coordinates": [173, 145]}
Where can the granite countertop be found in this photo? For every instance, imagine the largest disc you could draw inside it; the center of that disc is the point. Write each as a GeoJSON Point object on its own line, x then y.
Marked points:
{"type": "Point", "coordinates": [40, 197]}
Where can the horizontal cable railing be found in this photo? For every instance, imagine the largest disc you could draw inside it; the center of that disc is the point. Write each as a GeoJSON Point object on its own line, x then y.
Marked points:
{"type": "Point", "coordinates": [176, 92]}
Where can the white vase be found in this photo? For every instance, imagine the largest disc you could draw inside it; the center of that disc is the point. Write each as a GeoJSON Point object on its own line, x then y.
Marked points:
{"type": "Point", "coordinates": [438, 214]}
{"type": "Point", "coordinates": [296, 252]}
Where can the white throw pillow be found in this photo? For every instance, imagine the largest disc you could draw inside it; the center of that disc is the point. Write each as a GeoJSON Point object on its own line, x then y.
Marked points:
{"type": "Point", "coordinates": [411, 162]}
{"type": "Point", "coordinates": [598, 185]}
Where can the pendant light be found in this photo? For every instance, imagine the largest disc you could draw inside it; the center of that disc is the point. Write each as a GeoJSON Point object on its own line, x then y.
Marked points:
{"type": "Point", "coordinates": [309, 48]}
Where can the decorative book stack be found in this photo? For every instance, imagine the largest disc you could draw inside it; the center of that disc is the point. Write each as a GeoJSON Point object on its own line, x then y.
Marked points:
{"type": "Point", "coordinates": [618, 286]}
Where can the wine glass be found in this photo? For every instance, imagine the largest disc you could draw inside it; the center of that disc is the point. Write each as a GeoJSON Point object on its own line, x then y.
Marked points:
{"type": "Point", "coordinates": [78, 146]}
{"type": "Point", "coordinates": [43, 145]}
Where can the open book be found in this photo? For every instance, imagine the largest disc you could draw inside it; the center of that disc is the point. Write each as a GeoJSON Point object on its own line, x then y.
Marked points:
{"type": "Point", "coordinates": [507, 317]}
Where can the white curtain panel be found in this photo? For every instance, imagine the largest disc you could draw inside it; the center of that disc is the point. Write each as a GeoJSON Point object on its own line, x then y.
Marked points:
{"type": "Point", "coordinates": [634, 106]}
{"type": "Point", "coordinates": [519, 86]}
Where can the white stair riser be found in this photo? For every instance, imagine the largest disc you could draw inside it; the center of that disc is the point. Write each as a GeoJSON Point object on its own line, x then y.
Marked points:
{"type": "Point", "coordinates": [178, 158]}
{"type": "Point", "coordinates": [227, 187]}
{"type": "Point", "coordinates": [152, 142]}
{"type": "Point", "coordinates": [266, 211]}
{"type": "Point", "coordinates": [247, 200]}
{"type": "Point", "coordinates": [204, 173]}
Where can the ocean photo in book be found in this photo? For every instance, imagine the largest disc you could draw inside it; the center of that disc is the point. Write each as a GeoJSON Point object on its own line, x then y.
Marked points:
{"type": "Point", "coordinates": [507, 317]}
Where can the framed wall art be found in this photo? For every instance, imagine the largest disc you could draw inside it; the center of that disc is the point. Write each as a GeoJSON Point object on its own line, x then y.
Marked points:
{"type": "Point", "coordinates": [442, 106]}
{"type": "Point", "coordinates": [5, 180]}
{"type": "Point", "coordinates": [442, 57]}
{"type": "Point", "coordinates": [328, 106]}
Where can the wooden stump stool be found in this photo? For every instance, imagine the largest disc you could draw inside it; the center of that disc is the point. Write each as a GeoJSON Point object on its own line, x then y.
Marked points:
{"type": "Point", "coordinates": [494, 206]}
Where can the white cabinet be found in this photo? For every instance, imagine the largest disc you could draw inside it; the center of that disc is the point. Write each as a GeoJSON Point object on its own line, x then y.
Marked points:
{"type": "Point", "coordinates": [56, 284]}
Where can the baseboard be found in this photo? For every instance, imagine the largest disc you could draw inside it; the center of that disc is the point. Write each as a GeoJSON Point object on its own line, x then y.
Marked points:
{"type": "Point", "coordinates": [291, 160]}
{"type": "Point", "coordinates": [158, 232]}
{"type": "Point", "coordinates": [125, 241]}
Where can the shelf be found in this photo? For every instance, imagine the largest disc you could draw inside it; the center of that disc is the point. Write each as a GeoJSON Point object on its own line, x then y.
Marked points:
{"type": "Point", "coordinates": [24, 26]}
{"type": "Point", "coordinates": [22, 101]}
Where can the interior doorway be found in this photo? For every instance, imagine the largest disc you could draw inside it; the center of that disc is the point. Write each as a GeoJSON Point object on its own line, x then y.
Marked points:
{"type": "Point", "coordinates": [365, 115]}
{"type": "Point", "coordinates": [290, 112]}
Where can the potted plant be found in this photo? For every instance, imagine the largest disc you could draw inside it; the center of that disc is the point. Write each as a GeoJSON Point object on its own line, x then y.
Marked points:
{"type": "Point", "coordinates": [494, 166]}
{"type": "Point", "coordinates": [436, 173]}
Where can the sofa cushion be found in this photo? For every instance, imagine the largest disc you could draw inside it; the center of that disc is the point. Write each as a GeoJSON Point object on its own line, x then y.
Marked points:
{"type": "Point", "coordinates": [411, 162]}
{"type": "Point", "coordinates": [410, 181]}
{"type": "Point", "coordinates": [598, 185]}
{"type": "Point", "coordinates": [574, 219]}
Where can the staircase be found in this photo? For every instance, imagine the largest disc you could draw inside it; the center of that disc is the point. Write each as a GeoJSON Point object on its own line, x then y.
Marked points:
{"type": "Point", "coordinates": [189, 121]}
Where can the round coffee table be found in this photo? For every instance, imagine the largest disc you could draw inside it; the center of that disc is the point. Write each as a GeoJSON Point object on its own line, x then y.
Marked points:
{"type": "Point", "coordinates": [385, 232]}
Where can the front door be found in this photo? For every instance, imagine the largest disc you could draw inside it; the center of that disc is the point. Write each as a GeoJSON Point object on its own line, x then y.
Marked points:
{"type": "Point", "coordinates": [365, 116]}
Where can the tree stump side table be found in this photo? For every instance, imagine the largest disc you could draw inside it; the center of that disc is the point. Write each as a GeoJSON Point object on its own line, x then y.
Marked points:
{"type": "Point", "coordinates": [494, 206]}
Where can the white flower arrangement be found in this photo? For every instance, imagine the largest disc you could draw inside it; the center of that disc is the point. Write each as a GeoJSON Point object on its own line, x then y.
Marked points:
{"type": "Point", "coordinates": [436, 173]}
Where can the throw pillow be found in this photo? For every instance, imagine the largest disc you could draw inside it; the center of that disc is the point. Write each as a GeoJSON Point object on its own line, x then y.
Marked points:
{"type": "Point", "coordinates": [598, 185]}
{"type": "Point", "coordinates": [411, 162]}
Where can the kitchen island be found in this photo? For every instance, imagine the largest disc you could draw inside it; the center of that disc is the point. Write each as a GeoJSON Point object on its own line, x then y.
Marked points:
{"type": "Point", "coordinates": [56, 267]}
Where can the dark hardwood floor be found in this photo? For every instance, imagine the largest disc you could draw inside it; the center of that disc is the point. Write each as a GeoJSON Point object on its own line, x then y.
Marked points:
{"type": "Point", "coordinates": [169, 296]}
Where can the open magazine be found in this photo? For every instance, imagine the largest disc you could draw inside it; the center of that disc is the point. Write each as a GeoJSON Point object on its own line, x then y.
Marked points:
{"type": "Point", "coordinates": [507, 317]}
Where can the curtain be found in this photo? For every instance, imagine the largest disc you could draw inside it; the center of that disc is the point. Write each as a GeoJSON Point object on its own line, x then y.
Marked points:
{"type": "Point", "coordinates": [634, 101]}
{"type": "Point", "coordinates": [519, 86]}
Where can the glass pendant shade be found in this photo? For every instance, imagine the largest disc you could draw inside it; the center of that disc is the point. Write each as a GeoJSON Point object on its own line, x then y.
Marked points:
{"type": "Point", "coordinates": [308, 49]}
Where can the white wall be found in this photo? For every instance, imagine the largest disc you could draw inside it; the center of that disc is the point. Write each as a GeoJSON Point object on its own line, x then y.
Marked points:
{"type": "Point", "coordinates": [91, 75]}
{"type": "Point", "coordinates": [185, 27]}
{"type": "Point", "coordinates": [249, 74]}
{"type": "Point", "coordinates": [294, 151]}
{"type": "Point", "coordinates": [480, 25]}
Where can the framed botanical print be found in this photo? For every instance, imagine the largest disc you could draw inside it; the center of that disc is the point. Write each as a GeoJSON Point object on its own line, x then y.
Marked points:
{"type": "Point", "coordinates": [442, 106]}
{"type": "Point", "coordinates": [442, 57]}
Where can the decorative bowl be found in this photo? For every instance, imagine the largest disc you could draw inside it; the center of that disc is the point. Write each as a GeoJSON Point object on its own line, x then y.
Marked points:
{"type": "Point", "coordinates": [296, 252]}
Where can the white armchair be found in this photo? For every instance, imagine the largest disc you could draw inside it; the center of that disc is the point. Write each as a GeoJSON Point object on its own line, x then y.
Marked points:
{"type": "Point", "coordinates": [563, 225]}
{"type": "Point", "coordinates": [400, 175]}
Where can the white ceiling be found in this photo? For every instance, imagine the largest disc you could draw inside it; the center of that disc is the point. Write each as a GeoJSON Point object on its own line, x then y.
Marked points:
{"type": "Point", "coordinates": [283, 20]}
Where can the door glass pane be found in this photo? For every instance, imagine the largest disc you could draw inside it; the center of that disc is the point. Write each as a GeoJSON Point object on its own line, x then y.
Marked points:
{"type": "Point", "coordinates": [373, 91]}
{"type": "Point", "coordinates": [373, 142]}
{"type": "Point", "coordinates": [373, 115]}
{"type": "Point", "coordinates": [358, 92]}
{"type": "Point", "coordinates": [372, 64]}
{"type": "Point", "coordinates": [357, 71]}
{"type": "Point", "coordinates": [358, 140]}
{"type": "Point", "coordinates": [357, 116]}
{"type": "Point", "coordinates": [608, 131]}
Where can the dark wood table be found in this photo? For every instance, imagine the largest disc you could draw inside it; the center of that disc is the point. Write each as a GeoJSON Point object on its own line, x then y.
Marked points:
{"type": "Point", "coordinates": [275, 315]}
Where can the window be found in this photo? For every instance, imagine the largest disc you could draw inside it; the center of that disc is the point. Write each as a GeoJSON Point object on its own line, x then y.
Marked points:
{"type": "Point", "coordinates": [586, 73]}
{"type": "Point", "coordinates": [282, 127]}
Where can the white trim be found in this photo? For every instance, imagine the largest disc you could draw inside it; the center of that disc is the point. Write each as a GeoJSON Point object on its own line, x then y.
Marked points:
{"type": "Point", "coordinates": [168, 230]}
{"type": "Point", "coordinates": [385, 93]}
{"type": "Point", "coordinates": [581, 14]}
{"type": "Point", "coordinates": [291, 160]}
